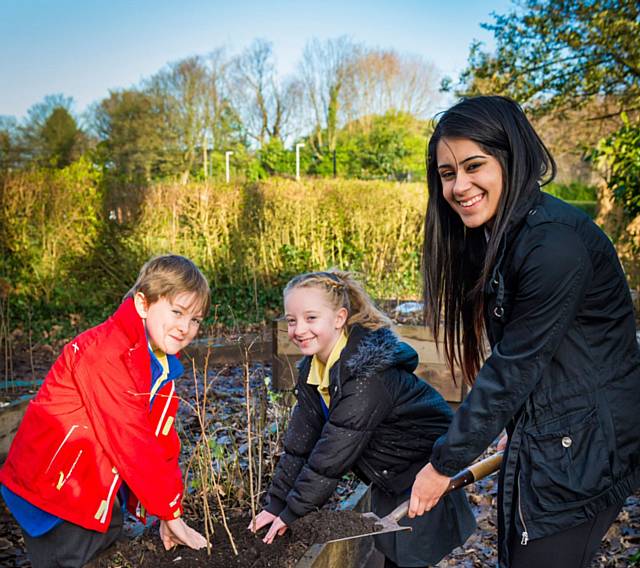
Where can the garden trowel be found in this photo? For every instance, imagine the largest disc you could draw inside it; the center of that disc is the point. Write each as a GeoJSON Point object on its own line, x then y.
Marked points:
{"type": "Point", "coordinates": [473, 473]}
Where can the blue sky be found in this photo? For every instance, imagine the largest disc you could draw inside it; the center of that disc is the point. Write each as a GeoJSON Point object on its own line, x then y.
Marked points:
{"type": "Point", "coordinates": [84, 48]}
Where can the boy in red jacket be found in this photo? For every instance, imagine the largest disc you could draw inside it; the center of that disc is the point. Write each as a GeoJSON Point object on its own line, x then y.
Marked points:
{"type": "Point", "coordinates": [100, 434]}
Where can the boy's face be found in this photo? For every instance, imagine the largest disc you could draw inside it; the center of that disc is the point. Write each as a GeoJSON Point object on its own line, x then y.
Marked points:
{"type": "Point", "coordinates": [171, 324]}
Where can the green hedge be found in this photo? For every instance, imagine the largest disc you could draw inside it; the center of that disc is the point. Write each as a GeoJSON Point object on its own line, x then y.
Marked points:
{"type": "Point", "coordinates": [64, 261]}
{"type": "Point", "coordinates": [572, 192]}
{"type": "Point", "coordinates": [69, 252]}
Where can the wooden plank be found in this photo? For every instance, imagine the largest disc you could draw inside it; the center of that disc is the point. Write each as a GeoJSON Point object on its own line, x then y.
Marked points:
{"type": "Point", "coordinates": [439, 377]}
{"type": "Point", "coordinates": [231, 353]}
{"type": "Point", "coordinates": [284, 371]}
{"type": "Point", "coordinates": [10, 418]}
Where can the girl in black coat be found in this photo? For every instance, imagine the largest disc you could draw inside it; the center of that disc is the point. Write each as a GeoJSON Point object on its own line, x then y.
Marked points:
{"type": "Point", "coordinates": [542, 282]}
{"type": "Point", "coordinates": [360, 408]}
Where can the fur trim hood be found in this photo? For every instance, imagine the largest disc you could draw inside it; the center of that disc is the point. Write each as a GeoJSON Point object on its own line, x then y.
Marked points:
{"type": "Point", "coordinates": [370, 352]}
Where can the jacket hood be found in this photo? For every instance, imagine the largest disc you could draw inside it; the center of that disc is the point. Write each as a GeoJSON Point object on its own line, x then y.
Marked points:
{"type": "Point", "coordinates": [370, 352]}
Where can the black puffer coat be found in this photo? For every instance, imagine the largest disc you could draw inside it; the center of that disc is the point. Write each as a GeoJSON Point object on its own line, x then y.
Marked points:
{"type": "Point", "coordinates": [563, 376]}
{"type": "Point", "coordinates": [382, 423]}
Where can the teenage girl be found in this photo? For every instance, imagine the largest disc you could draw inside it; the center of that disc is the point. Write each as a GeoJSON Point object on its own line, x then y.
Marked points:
{"type": "Point", "coordinates": [544, 284]}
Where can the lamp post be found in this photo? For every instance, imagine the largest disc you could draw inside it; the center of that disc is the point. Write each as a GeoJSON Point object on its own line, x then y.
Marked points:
{"type": "Point", "coordinates": [298, 146]}
{"type": "Point", "coordinates": [226, 163]}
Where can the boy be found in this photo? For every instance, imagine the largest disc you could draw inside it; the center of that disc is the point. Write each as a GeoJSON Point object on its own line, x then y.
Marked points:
{"type": "Point", "coordinates": [100, 432]}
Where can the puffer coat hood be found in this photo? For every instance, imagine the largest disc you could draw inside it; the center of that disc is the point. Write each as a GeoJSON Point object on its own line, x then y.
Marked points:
{"type": "Point", "coordinates": [382, 423]}
{"type": "Point", "coordinates": [378, 351]}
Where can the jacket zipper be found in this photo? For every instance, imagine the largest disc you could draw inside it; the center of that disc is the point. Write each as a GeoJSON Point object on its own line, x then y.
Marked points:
{"type": "Point", "coordinates": [525, 533]}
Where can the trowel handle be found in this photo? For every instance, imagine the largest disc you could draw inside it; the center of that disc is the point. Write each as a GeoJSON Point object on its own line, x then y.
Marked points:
{"type": "Point", "coordinates": [475, 472]}
{"type": "Point", "coordinates": [467, 476]}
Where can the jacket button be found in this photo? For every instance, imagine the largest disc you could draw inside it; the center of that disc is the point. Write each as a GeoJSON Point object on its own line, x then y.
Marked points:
{"type": "Point", "coordinates": [566, 441]}
{"type": "Point", "coordinates": [385, 472]}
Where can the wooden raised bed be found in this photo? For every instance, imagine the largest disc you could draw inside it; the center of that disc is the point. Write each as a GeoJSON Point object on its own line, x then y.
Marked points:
{"type": "Point", "coordinates": [431, 366]}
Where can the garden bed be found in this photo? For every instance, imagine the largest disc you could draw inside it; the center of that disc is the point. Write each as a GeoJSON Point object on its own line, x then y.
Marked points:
{"type": "Point", "coordinates": [287, 551]}
{"type": "Point", "coordinates": [223, 413]}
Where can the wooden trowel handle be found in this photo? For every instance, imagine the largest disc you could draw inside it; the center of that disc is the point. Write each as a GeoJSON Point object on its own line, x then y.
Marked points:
{"type": "Point", "coordinates": [475, 472]}
{"type": "Point", "coordinates": [467, 476]}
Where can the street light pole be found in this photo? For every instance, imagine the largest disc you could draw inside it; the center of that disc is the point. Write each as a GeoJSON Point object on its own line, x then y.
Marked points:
{"type": "Point", "coordinates": [226, 162]}
{"type": "Point", "coordinates": [298, 146]}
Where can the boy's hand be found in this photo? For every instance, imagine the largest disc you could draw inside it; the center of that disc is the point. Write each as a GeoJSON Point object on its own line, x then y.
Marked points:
{"type": "Point", "coordinates": [278, 528]}
{"type": "Point", "coordinates": [263, 519]}
{"type": "Point", "coordinates": [176, 531]}
{"type": "Point", "coordinates": [427, 489]}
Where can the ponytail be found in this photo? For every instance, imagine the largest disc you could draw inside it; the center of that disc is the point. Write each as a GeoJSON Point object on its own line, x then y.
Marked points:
{"type": "Point", "coordinates": [343, 291]}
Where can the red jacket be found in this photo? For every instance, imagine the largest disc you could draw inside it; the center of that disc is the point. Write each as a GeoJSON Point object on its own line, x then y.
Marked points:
{"type": "Point", "coordinates": [90, 427]}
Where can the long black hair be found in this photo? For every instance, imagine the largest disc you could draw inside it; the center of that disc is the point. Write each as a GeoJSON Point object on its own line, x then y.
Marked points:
{"type": "Point", "coordinates": [457, 261]}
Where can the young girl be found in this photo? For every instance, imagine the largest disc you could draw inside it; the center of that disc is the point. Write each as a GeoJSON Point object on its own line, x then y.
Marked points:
{"type": "Point", "coordinates": [360, 408]}
{"type": "Point", "coordinates": [100, 433]}
{"type": "Point", "coordinates": [563, 375]}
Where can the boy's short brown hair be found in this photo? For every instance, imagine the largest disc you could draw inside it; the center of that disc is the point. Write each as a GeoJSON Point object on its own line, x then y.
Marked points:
{"type": "Point", "coordinates": [168, 275]}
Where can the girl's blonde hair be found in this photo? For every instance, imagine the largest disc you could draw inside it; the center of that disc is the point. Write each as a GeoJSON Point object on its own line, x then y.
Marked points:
{"type": "Point", "coordinates": [168, 275]}
{"type": "Point", "coordinates": [343, 291]}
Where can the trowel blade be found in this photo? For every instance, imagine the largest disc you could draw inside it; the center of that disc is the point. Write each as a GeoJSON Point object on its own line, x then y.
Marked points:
{"type": "Point", "coordinates": [388, 525]}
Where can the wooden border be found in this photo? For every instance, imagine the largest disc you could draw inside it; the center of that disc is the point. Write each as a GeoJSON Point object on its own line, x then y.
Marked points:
{"type": "Point", "coordinates": [431, 365]}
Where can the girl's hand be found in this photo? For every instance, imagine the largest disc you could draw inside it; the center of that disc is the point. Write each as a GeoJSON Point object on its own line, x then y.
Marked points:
{"type": "Point", "coordinates": [502, 444]}
{"type": "Point", "coordinates": [263, 518]}
{"type": "Point", "coordinates": [278, 528]}
{"type": "Point", "coordinates": [176, 531]}
{"type": "Point", "coordinates": [427, 489]}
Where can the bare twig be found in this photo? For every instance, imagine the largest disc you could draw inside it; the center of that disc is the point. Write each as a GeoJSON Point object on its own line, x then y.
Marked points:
{"type": "Point", "coordinates": [247, 391]}
{"type": "Point", "coordinates": [209, 473]}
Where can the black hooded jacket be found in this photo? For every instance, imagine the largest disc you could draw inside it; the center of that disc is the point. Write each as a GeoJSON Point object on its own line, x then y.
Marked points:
{"type": "Point", "coordinates": [563, 376]}
{"type": "Point", "coordinates": [382, 423]}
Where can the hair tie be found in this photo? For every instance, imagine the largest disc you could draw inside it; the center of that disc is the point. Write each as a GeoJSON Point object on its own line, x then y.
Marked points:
{"type": "Point", "coordinates": [333, 276]}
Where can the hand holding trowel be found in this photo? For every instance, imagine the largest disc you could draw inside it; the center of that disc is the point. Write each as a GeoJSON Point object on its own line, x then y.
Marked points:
{"type": "Point", "coordinates": [473, 473]}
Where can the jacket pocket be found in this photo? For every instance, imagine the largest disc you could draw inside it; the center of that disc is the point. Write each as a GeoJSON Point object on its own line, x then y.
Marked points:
{"type": "Point", "coordinates": [566, 461]}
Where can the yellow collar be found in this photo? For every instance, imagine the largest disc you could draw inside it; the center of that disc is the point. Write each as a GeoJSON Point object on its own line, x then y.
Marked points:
{"type": "Point", "coordinates": [162, 359]}
{"type": "Point", "coordinates": [319, 372]}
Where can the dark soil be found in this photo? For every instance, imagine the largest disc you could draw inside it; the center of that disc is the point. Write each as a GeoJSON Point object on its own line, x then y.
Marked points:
{"type": "Point", "coordinates": [252, 552]}
{"type": "Point", "coordinates": [620, 548]}
{"type": "Point", "coordinates": [11, 541]}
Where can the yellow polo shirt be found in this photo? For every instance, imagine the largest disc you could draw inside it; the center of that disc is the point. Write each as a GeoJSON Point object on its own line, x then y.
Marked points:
{"type": "Point", "coordinates": [319, 372]}
{"type": "Point", "coordinates": [162, 359]}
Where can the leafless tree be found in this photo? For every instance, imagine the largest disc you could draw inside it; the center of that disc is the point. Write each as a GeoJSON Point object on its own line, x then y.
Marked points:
{"type": "Point", "coordinates": [264, 104]}
{"type": "Point", "coordinates": [325, 69]}
{"type": "Point", "coordinates": [383, 80]}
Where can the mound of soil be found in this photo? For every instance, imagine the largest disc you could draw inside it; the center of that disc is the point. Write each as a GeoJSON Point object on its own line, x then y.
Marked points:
{"type": "Point", "coordinates": [317, 527]}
